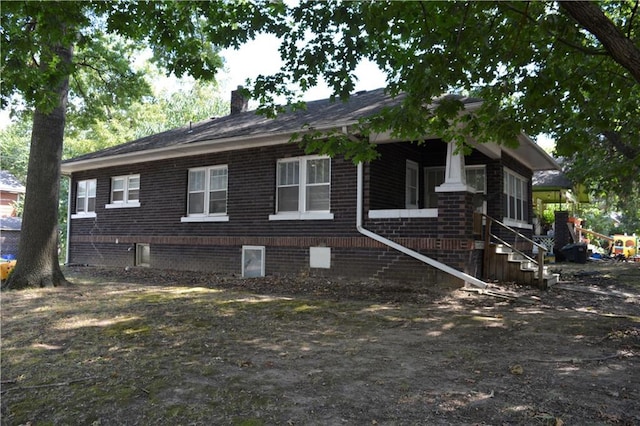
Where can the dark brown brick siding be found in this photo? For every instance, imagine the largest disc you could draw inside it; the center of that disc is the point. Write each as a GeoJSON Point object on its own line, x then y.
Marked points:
{"type": "Point", "coordinates": [495, 188]}
{"type": "Point", "coordinates": [217, 246]}
{"type": "Point", "coordinates": [388, 174]}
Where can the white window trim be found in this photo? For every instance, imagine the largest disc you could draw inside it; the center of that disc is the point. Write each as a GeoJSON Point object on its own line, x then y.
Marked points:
{"type": "Point", "coordinates": [475, 190]}
{"type": "Point", "coordinates": [516, 223]}
{"type": "Point", "coordinates": [122, 205]}
{"type": "Point", "coordinates": [402, 213]}
{"type": "Point", "coordinates": [125, 203]}
{"type": "Point", "coordinates": [411, 166]}
{"type": "Point", "coordinates": [315, 215]}
{"type": "Point", "coordinates": [303, 214]}
{"type": "Point", "coordinates": [482, 167]}
{"type": "Point", "coordinates": [85, 213]}
{"type": "Point", "coordinates": [188, 219]}
{"type": "Point", "coordinates": [262, 259]}
{"type": "Point", "coordinates": [206, 217]}
{"type": "Point", "coordinates": [523, 224]}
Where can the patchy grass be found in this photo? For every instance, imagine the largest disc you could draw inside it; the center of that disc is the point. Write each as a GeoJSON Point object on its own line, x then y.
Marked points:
{"type": "Point", "coordinates": [151, 351]}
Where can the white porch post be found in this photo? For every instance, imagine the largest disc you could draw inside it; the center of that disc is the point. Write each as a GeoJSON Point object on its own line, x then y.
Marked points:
{"type": "Point", "coordinates": [454, 176]}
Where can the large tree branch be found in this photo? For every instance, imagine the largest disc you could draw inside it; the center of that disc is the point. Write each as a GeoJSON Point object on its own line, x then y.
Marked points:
{"type": "Point", "coordinates": [534, 21]}
{"type": "Point", "coordinates": [621, 48]}
{"type": "Point", "coordinates": [616, 141]}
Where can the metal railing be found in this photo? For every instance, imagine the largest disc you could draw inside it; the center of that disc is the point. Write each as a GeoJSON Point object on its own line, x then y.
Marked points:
{"type": "Point", "coordinates": [489, 237]}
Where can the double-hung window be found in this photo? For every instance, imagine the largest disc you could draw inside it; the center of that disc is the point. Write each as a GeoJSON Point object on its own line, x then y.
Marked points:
{"type": "Point", "coordinates": [411, 185]}
{"type": "Point", "coordinates": [125, 191]}
{"type": "Point", "coordinates": [476, 177]}
{"type": "Point", "coordinates": [86, 198]}
{"type": "Point", "coordinates": [303, 188]}
{"type": "Point", "coordinates": [207, 194]}
{"type": "Point", "coordinates": [515, 196]}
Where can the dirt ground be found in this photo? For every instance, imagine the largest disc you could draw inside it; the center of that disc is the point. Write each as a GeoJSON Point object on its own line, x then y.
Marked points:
{"type": "Point", "coordinates": [140, 347]}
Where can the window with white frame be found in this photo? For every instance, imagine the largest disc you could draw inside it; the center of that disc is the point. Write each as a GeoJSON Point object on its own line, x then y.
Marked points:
{"type": "Point", "coordinates": [411, 185]}
{"type": "Point", "coordinates": [207, 194]}
{"type": "Point", "coordinates": [303, 188]}
{"type": "Point", "coordinates": [125, 191]}
{"type": "Point", "coordinates": [86, 197]}
{"type": "Point", "coordinates": [143, 254]}
{"type": "Point", "coordinates": [516, 204]}
{"type": "Point", "coordinates": [252, 261]}
{"type": "Point", "coordinates": [433, 177]}
{"type": "Point", "coordinates": [476, 177]}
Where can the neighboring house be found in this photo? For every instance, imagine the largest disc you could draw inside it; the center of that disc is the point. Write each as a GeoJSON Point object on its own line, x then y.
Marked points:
{"type": "Point", "coordinates": [11, 190]}
{"type": "Point", "coordinates": [232, 195]}
{"type": "Point", "coordinates": [554, 187]}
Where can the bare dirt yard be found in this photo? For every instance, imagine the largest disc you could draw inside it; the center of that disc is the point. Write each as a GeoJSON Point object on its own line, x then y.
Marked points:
{"type": "Point", "coordinates": [141, 347]}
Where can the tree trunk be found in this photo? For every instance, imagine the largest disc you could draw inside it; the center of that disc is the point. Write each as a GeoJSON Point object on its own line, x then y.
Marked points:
{"type": "Point", "coordinates": [622, 49]}
{"type": "Point", "coordinates": [38, 264]}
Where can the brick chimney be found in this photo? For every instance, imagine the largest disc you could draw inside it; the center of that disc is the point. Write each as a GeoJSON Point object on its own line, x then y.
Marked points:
{"type": "Point", "coordinates": [238, 102]}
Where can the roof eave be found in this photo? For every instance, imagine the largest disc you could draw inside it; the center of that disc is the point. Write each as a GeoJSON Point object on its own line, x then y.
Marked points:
{"type": "Point", "coordinates": [194, 148]}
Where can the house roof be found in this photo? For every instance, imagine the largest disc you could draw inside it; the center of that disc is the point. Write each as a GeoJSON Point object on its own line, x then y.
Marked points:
{"type": "Point", "coordinates": [551, 186]}
{"type": "Point", "coordinates": [9, 183]}
{"type": "Point", "coordinates": [550, 179]}
{"type": "Point", "coordinates": [10, 223]}
{"type": "Point", "coordinates": [249, 129]}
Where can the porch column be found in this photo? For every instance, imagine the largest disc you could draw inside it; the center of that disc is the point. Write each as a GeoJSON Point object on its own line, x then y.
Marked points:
{"type": "Point", "coordinates": [454, 176]}
{"type": "Point", "coordinates": [455, 217]}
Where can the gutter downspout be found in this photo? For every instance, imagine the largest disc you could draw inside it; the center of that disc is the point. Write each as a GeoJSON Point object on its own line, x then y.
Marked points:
{"type": "Point", "coordinates": [468, 279]}
{"type": "Point", "coordinates": [66, 249]}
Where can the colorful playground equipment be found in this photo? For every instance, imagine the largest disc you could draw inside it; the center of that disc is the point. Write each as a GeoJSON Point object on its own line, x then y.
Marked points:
{"type": "Point", "coordinates": [619, 244]}
{"type": "Point", "coordinates": [6, 266]}
{"type": "Point", "coordinates": [626, 245]}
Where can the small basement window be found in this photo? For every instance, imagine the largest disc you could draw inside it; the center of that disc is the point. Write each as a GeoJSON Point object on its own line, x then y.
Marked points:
{"type": "Point", "coordinates": [143, 254]}
{"type": "Point", "coordinates": [252, 261]}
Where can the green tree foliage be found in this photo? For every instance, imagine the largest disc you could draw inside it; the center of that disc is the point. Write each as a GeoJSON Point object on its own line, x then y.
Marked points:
{"type": "Point", "coordinates": [567, 69]}
{"type": "Point", "coordinates": [52, 54]}
{"type": "Point", "coordinates": [570, 70]}
{"type": "Point", "coordinates": [14, 149]}
{"type": "Point", "coordinates": [163, 110]}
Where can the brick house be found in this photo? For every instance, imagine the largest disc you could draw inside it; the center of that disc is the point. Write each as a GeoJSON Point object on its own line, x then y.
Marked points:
{"type": "Point", "coordinates": [232, 195]}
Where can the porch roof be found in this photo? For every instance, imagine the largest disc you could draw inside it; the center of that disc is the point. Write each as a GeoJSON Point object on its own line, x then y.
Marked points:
{"type": "Point", "coordinates": [553, 186]}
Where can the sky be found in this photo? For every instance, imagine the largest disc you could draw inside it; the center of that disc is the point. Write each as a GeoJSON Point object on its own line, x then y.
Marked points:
{"type": "Point", "coordinates": [261, 56]}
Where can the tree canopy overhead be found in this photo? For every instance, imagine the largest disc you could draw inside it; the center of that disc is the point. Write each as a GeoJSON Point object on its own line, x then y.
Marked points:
{"type": "Point", "coordinates": [567, 69]}
{"type": "Point", "coordinates": [52, 55]}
